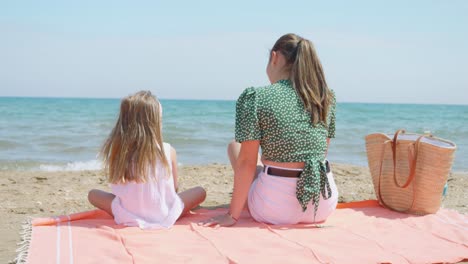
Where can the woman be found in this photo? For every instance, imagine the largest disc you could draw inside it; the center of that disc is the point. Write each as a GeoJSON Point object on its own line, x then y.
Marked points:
{"type": "Point", "coordinates": [292, 121]}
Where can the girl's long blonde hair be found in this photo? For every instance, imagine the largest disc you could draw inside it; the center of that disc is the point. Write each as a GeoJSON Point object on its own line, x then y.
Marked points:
{"type": "Point", "coordinates": [306, 75]}
{"type": "Point", "coordinates": [135, 144]}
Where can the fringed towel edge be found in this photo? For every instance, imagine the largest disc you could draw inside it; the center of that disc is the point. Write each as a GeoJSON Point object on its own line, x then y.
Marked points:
{"type": "Point", "coordinates": [23, 246]}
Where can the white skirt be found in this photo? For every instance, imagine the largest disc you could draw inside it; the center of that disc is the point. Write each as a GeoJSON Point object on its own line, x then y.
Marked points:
{"type": "Point", "coordinates": [272, 200]}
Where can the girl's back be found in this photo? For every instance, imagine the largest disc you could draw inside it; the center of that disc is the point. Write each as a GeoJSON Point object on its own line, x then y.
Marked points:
{"type": "Point", "coordinates": [154, 204]}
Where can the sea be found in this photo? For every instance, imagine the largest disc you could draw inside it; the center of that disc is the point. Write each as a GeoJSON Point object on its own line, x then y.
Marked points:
{"type": "Point", "coordinates": [65, 134]}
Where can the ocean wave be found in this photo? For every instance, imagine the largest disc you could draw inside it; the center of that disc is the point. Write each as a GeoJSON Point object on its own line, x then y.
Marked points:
{"type": "Point", "coordinates": [8, 144]}
{"type": "Point", "coordinates": [73, 166]}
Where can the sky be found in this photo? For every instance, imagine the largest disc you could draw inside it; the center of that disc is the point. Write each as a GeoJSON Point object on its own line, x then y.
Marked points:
{"type": "Point", "coordinates": [371, 51]}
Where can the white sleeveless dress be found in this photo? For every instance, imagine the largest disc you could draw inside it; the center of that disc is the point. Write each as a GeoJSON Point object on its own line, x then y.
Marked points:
{"type": "Point", "coordinates": [151, 205]}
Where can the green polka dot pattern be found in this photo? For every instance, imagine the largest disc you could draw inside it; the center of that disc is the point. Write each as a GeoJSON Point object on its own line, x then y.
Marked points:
{"type": "Point", "coordinates": [276, 116]}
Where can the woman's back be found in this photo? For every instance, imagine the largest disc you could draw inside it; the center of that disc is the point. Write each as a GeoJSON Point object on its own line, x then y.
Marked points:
{"type": "Point", "coordinates": [275, 115]}
{"type": "Point", "coordinates": [154, 204]}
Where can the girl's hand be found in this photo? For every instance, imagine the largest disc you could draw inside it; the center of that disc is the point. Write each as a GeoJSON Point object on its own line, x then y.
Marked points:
{"type": "Point", "coordinates": [220, 220]}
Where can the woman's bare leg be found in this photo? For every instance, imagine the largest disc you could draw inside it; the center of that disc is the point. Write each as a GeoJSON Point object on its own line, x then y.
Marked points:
{"type": "Point", "coordinates": [192, 198]}
{"type": "Point", "coordinates": [101, 200]}
{"type": "Point", "coordinates": [233, 151]}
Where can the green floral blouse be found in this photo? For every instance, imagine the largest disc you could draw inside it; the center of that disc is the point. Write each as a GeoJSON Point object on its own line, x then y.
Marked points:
{"type": "Point", "coordinates": [276, 116]}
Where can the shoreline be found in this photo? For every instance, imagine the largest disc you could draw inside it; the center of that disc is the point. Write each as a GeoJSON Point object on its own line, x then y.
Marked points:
{"type": "Point", "coordinates": [181, 166]}
{"type": "Point", "coordinates": [27, 194]}
{"type": "Point", "coordinates": [62, 167]}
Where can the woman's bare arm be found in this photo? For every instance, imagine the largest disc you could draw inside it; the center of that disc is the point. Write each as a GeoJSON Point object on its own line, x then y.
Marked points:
{"type": "Point", "coordinates": [244, 173]}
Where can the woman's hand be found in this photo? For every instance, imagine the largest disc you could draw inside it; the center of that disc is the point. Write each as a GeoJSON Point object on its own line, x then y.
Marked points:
{"type": "Point", "coordinates": [219, 220]}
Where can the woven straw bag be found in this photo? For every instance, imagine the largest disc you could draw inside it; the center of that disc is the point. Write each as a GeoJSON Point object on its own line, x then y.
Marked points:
{"type": "Point", "coordinates": [409, 171]}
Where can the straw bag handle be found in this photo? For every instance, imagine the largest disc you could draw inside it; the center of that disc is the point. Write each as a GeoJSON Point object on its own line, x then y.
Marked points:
{"type": "Point", "coordinates": [412, 169]}
{"type": "Point", "coordinates": [379, 192]}
{"type": "Point", "coordinates": [412, 161]}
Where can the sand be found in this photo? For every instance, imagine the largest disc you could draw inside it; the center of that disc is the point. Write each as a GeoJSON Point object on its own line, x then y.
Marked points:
{"type": "Point", "coordinates": [34, 194]}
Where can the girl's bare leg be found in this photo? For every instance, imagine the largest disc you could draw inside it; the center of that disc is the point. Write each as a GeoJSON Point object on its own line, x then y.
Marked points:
{"type": "Point", "coordinates": [192, 198]}
{"type": "Point", "coordinates": [101, 200]}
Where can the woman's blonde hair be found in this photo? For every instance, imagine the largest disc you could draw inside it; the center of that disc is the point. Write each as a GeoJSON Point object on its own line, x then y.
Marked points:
{"type": "Point", "coordinates": [135, 144]}
{"type": "Point", "coordinates": [306, 75]}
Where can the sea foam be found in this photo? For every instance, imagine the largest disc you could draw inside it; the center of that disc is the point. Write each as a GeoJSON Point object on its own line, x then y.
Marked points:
{"type": "Point", "coordinates": [73, 166]}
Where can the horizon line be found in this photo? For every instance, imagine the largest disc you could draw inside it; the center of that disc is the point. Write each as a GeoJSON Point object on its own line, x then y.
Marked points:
{"type": "Point", "coordinates": [214, 99]}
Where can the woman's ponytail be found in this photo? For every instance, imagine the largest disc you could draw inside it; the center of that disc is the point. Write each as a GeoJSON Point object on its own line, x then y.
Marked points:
{"type": "Point", "coordinates": [306, 75]}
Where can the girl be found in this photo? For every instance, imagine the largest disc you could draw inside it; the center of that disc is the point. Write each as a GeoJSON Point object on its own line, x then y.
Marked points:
{"type": "Point", "coordinates": [142, 169]}
{"type": "Point", "coordinates": [292, 121]}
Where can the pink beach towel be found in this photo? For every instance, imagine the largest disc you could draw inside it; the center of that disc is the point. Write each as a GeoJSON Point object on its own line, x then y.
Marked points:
{"type": "Point", "coordinates": [360, 232]}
